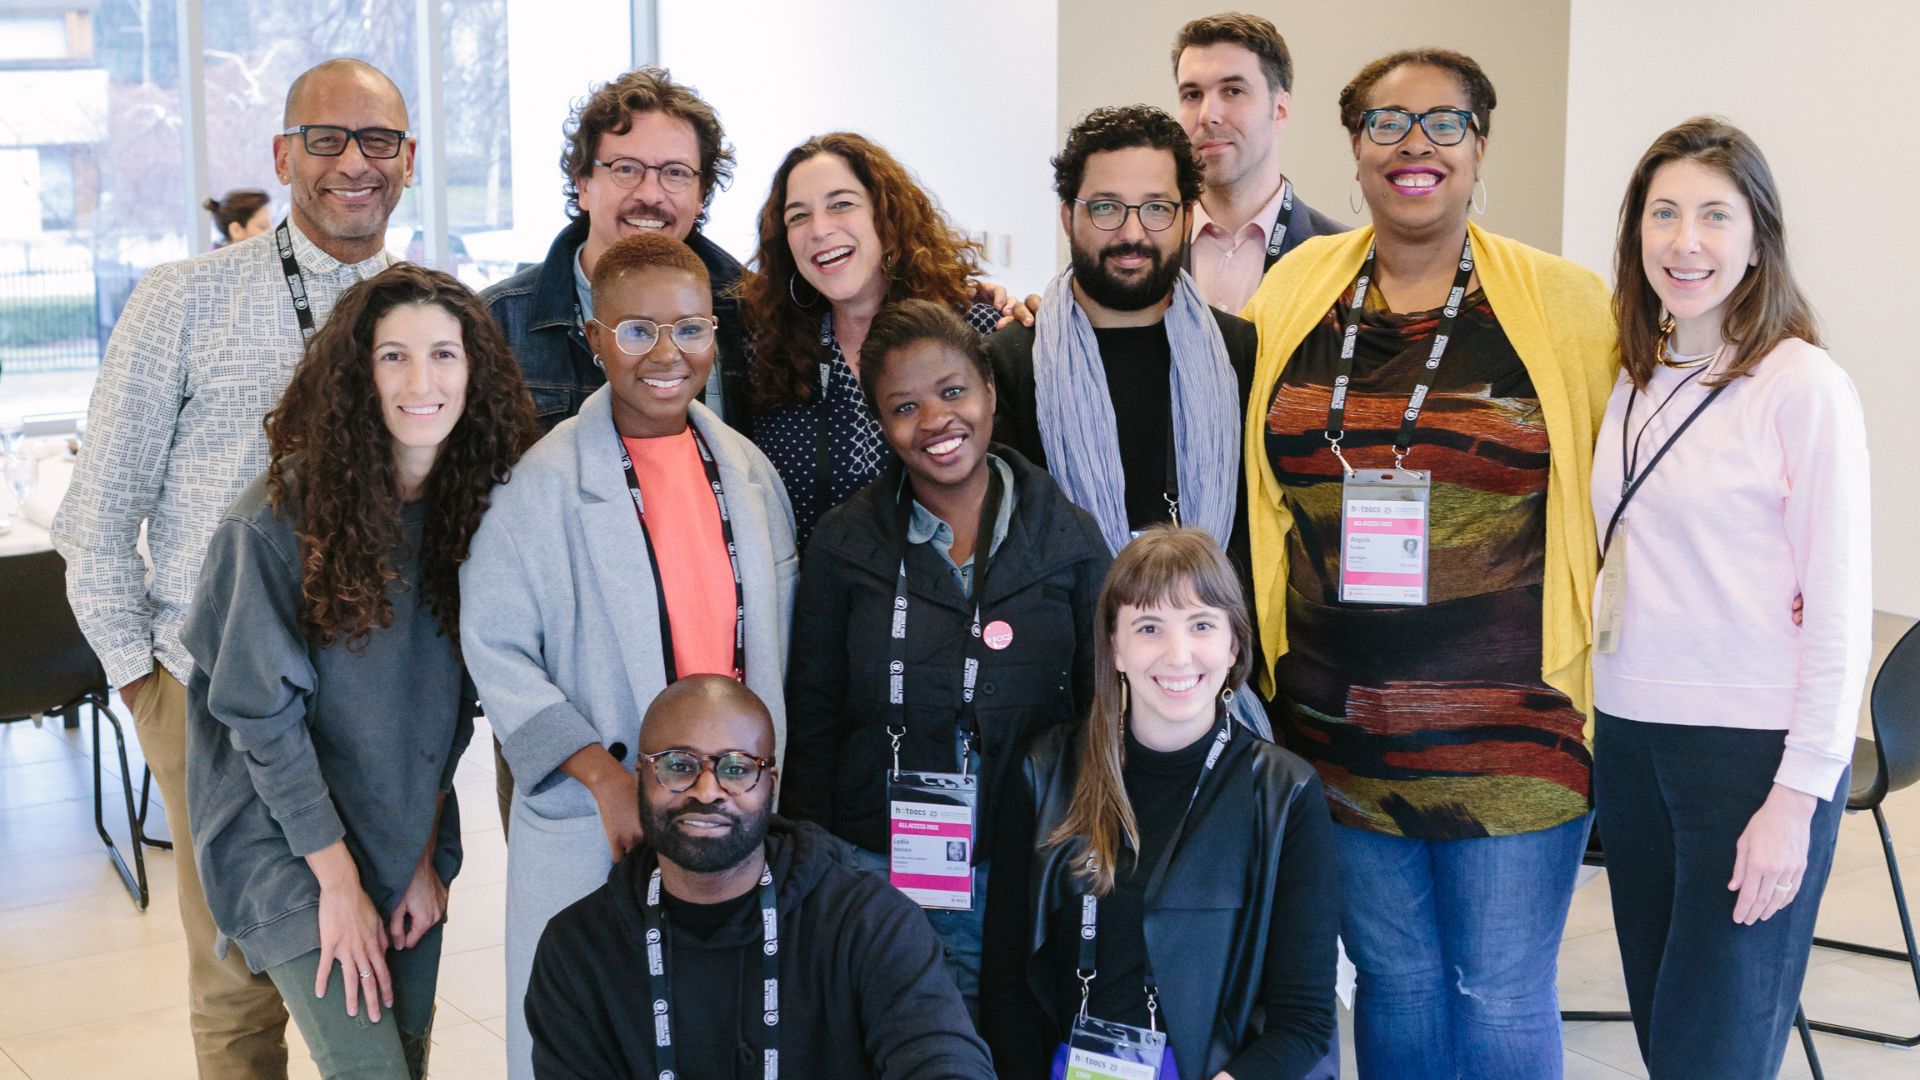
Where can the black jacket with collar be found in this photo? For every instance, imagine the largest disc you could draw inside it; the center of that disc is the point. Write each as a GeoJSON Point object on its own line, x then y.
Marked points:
{"type": "Point", "coordinates": [864, 991]}
{"type": "Point", "coordinates": [1240, 920]}
{"type": "Point", "coordinates": [535, 309]}
{"type": "Point", "coordinates": [1042, 582]}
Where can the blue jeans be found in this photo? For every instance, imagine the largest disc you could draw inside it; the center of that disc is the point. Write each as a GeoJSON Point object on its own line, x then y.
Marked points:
{"type": "Point", "coordinates": [1457, 944]}
{"type": "Point", "coordinates": [959, 931]}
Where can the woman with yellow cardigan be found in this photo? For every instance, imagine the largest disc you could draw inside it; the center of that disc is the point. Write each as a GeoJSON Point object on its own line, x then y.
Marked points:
{"type": "Point", "coordinates": [1418, 446]}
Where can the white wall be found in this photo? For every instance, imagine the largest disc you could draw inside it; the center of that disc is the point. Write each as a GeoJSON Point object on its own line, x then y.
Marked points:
{"type": "Point", "coordinates": [1800, 81]}
{"type": "Point", "coordinates": [550, 66]}
{"type": "Point", "coordinates": [962, 94]}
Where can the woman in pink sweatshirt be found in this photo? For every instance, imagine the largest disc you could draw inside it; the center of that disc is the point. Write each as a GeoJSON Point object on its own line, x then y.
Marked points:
{"type": "Point", "coordinates": [1730, 490]}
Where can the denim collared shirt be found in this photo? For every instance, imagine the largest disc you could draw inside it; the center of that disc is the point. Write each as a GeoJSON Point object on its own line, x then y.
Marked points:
{"type": "Point", "coordinates": [925, 527]}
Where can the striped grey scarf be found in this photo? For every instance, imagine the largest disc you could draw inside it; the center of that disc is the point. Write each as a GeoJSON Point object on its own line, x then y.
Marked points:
{"type": "Point", "coordinates": [1076, 414]}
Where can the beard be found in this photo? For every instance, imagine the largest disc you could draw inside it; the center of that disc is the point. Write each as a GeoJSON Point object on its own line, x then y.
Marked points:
{"type": "Point", "coordinates": [703, 854]}
{"type": "Point", "coordinates": [1090, 271]}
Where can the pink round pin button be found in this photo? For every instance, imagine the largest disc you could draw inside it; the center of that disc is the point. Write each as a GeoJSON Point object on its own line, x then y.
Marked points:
{"type": "Point", "coordinates": [997, 634]}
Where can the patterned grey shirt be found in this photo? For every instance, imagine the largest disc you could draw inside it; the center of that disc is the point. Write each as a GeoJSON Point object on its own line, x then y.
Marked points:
{"type": "Point", "coordinates": [203, 350]}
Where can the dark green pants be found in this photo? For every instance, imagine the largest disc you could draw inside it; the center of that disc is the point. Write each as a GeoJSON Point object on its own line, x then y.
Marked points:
{"type": "Point", "coordinates": [352, 1047]}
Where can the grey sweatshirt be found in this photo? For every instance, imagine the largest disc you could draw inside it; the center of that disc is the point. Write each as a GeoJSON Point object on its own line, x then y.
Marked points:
{"type": "Point", "coordinates": [292, 747]}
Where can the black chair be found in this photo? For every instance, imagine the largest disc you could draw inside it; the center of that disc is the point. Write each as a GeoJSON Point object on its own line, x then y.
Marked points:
{"type": "Point", "coordinates": [1596, 855]}
{"type": "Point", "coordinates": [1886, 763]}
{"type": "Point", "coordinates": [50, 669]}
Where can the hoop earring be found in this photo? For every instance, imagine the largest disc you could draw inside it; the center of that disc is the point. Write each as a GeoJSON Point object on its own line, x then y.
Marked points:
{"type": "Point", "coordinates": [1353, 196]}
{"type": "Point", "coordinates": [796, 299]}
{"type": "Point", "coordinates": [1226, 696]}
{"type": "Point", "coordinates": [1479, 196]}
{"type": "Point", "coordinates": [599, 363]}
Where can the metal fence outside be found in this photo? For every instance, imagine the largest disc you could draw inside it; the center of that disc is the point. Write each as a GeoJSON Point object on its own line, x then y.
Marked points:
{"type": "Point", "coordinates": [57, 307]}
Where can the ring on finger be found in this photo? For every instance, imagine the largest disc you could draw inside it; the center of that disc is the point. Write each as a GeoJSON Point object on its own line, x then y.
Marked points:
{"type": "Point", "coordinates": [1784, 886]}
{"type": "Point", "coordinates": [367, 973]}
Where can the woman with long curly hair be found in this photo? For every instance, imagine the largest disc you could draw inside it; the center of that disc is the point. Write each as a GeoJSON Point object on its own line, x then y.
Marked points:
{"type": "Point", "coordinates": [328, 703]}
{"type": "Point", "coordinates": [845, 230]}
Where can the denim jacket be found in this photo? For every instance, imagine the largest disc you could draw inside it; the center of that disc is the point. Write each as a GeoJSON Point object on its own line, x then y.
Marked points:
{"type": "Point", "coordinates": [536, 310]}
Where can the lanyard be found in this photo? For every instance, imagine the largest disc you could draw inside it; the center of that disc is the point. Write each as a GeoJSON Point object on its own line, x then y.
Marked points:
{"type": "Point", "coordinates": [1337, 408]}
{"type": "Point", "coordinates": [660, 979]}
{"type": "Point", "coordinates": [1630, 482]}
{"type": "Point", "coordinates": [823, 415]}
{"type": "Point", "coordinates": [653, 560]}
{"type": "Point", "coordinates": [970, 666]}
{"type": "Point", "coordinates": [1280, 225]}
{"type": "Point", "coordinates": [1170, 490]}
{"type": "Point", "coordinates": [296, 284]}
{"type": "Point", "coordinates": [1090, 904]}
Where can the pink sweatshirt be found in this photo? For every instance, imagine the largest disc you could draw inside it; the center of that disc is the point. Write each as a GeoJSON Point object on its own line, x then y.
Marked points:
{"type": "Point", "coordinates": [1763, 499]}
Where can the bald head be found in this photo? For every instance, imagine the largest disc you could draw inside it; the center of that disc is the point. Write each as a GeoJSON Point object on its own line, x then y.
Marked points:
{"type": "Point", "coordinates": [341, 72]}
{"type": "Point", "coordinates": [709, 714]}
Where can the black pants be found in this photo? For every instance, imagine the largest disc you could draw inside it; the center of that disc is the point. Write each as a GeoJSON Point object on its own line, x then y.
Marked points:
{"type": "Point", "coordinates": [1711, 999]}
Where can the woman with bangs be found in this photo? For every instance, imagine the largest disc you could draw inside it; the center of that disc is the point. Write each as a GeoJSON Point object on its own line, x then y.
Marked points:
{"type": "Point", "coordinates": [845, 230]}
{"type": "Point", "coordinates": [329, 704]}
{"type": "Point", "coordinates": [1181, 885]}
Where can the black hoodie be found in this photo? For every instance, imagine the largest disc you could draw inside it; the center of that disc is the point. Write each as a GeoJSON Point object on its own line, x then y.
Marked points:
{"type": "Point", "coordinates": [863, 989]}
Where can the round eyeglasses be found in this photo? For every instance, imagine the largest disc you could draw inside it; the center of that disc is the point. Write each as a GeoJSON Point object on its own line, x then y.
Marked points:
{"type": "Point", "coordinates": [1109, 215]}
{"type": "Point", "coordinates": [626, 172]}
{"type": "Point", "coordinates": [1444, 127]}
{"type": "Point", "coordinates": [736, 771]}
{"type": "Point", "coordinates": [327, 140]}
{"type": "Point", "coordinates": [637, 337]}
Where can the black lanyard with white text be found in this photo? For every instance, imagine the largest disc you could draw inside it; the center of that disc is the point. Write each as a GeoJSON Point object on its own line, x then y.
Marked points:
{"type": "Point", "coordinates": [296, 283]}
{"type": "Point", "coordinates": [1279, 233]}
{"type": "Point", "coordinates": [653, 559]}
{"type": "Point", "coordinates": [1090, 904]}
{"type": "Point", "coordinates": [1630, 481]}
{"type": "Point", "coordinates": [1349, 339]}
{"type": "Point", "coordinates": [969, 728]}
{"type": "Point", "coordinates": [660, 978]}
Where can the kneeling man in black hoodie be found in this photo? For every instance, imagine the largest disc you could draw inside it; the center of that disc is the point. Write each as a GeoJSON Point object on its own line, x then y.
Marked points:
{"type": "Point", "coordinates": [732, 942]}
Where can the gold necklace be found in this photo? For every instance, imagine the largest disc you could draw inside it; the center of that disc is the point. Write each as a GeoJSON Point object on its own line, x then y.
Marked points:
{"type": "Point", "coordinates": [1663, 352]}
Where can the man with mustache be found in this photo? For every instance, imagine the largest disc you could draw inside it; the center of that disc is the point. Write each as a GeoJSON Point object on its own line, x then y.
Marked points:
{"type": "Point", "coordinates": [1235, 84]}
{"type": "Point", "coordinates": [731, 941]}
{"type": "Point", "coordinates": [644, 154]}
{"type": "Point", "coordinates": [203, 350]}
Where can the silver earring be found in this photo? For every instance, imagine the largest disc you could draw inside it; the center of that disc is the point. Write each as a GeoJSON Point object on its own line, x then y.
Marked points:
{"type": "Point", "coordinates": [796, 297]}
{"type": "Point", "coordinates": [1353, 196]}
{"type": "Point", "coordinates": [1479, 196]}
{"type": "Point", "coordinates": [599, 363]}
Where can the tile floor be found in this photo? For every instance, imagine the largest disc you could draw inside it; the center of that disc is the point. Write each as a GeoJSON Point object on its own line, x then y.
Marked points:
{"type": "Point", "coordinates": [91, 989]}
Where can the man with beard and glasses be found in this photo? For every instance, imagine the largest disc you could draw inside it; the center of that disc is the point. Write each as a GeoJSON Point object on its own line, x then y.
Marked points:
{"type": "Point", "coordinates": [732, 941]}
{"type": "Point", "coordinates": [1235, 85]}
{"type": "Point", "coordinates": [203, 350]}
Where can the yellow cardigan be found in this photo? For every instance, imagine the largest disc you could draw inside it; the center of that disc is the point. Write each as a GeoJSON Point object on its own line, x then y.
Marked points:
{"type": "Point", "coordinates": [1560, 320]}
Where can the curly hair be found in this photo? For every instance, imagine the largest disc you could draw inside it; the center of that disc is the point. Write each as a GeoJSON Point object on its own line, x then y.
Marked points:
{"type": "Point", "coordinates": [1121, 127]}
{"type": "Point", "coordinates": [610, 110]}
{"type": "Point", "coordinates": [1252, 33]}
{"type": "Point", "coordinates": [344, 487]}
{"type": "Point", "coordinates": [1479, 88]}
{"type": "Point", "coordinates": [929, 260]}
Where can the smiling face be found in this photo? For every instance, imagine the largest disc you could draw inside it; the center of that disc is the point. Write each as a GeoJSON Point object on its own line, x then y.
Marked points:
{"type": "Point", "coordinates": [342, 203]}
{"type": "Point", "coordinates": [706, 828]}
{"type": "Point", "coordinates": [1132, 267]}
{"type": "Point", "coordinates": [1414, 188]}
{"type": "Point", "coordinates": [830, 230]}
{"type": "Point", "coordinates": [936, 412]}
{"type": "Point", "coordinates": [420, 374]}
{"type": "Point", "coordinates": [1229, 113]}
{"type": "Point", "coordinates": [613, 212]}
{"type": "Point", "coordinates": [1696, 241]}
{"type": "Point", "coordinates": [1176, 658]}
{"type": "Point", "coordinates": [651, 392]}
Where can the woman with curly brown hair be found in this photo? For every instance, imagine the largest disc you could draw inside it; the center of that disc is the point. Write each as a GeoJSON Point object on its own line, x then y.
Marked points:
{"type": "Point", "coordinates": [328, 703]}
{"type": "Point", "coordinates": [845, 230]}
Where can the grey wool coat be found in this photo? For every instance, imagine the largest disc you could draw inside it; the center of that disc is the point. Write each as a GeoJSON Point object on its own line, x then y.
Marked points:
{"type": "Point", "coordinates": [560, 630]}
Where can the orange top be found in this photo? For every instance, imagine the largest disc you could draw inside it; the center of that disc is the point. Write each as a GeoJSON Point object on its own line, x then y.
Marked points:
{"type": "Point", "coordinates": [683, 521]}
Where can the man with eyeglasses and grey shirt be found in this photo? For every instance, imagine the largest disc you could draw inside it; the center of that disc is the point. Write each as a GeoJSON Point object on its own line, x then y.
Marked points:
{"type": "Point", "coordinates": [203, 350]}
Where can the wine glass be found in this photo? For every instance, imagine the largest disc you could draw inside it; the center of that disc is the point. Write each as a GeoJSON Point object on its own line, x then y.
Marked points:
{"type": "Point", "coordinates": [22, 470]}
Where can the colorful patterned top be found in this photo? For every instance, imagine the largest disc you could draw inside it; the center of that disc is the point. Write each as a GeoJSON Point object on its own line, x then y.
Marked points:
{"type": "Point", "coordinates": [1429, 722]}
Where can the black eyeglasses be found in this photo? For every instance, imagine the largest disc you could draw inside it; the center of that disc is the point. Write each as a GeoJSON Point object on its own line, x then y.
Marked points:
{"type": "Point", "coordinates": [1444, 127]}
{"type": "Point", "coordinates": [1109, 215]}
{"type": "Point", "coordinates": [637, 337]}
{"type": "Point", "coordinates": [736, 771]}
{"type": "Point", "coordinates": [628, 173]}
{"type": "Point", "coordinates": [327, 140]}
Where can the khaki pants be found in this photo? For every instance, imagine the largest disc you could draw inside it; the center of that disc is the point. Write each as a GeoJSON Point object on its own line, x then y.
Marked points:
{"type": "Point", "coordinates": [239, 1024]}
